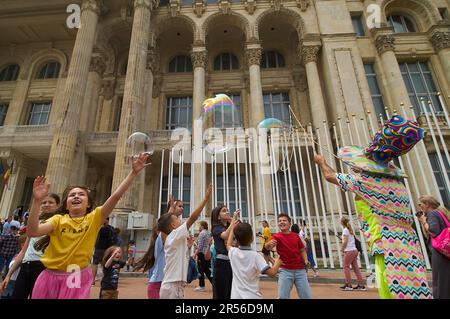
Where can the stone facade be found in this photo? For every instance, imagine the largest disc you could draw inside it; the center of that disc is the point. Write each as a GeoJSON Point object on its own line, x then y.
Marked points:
{"type": "Point", "coordinates": [115, 78]}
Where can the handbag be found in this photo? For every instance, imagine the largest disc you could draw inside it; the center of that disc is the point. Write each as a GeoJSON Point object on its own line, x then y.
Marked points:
{"type": "Point", "coordinates": [192, 271]}
{"type": "Point", "coordinates": [442, 241]}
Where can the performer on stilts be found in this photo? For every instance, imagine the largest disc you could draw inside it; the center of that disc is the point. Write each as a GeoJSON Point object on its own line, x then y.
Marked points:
{"type": "Point", "coordinates": [383, 204]}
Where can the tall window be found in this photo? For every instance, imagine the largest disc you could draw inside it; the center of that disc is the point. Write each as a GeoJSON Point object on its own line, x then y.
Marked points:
{"type": "Point", "coordinates": [39, 113]}
{"type": "Point", "coordinates": [175, 192]}
{"type": "Point", "coordinates": [358, 25]}
{"type": "Point", "coordinates": [117, 114]}
{"type": "Point", "coordinates": [375, 91]}
{"type": "Point", "coordinates": [419, 83]}
{"type": "Point", "coordinates": [233, 193]}
{"type": "Point", "coordinates": [179, 112]}
{"type": "Point", "coordinates": [181, 63]}
{"type": "Point", "coordinates": [3, 110]}
{"type": "Point", "coordinates": [226, 61]}
{"type": "Point", "coordinates": [49, 71]}
{"type": "Point", "coordinates": [439, 175]}
{"type": "Point", "coordinates": [444, 13]}
{"type": "Point", "coordinates": [276, 105]}
{"type": "Point", "coordinates": [226, 117]}
{"type": "Point", "coordinates": [401, 23]}
{"type": "Point", "coordinates": [9, 72]}
{"type": "Point", "coordinates": [272, 59]}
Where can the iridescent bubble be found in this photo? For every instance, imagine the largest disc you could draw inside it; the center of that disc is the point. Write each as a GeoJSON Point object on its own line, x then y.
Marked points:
{"type": "Point", "coordinates": [271, 123]}
{"type": "Point", "coordinates": [222, 109]}
{"type": "Point", "coordinates": [138, 143]}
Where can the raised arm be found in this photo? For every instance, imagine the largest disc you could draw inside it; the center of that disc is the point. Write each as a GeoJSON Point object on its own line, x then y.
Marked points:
{"type": "Point", "coordinates": [191, 220]}
{"type": "Point", "coordinates": [40, 191]}
{"type": "Point", "coordinates": [327, 171]}
{"type": "Point", "coordinates": [136, 166]}
{"type": "Point", "coordinates": [230, 230]}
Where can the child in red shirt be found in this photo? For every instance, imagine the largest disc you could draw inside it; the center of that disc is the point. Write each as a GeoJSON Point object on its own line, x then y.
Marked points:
{"type": "Point", "coordinates": [293, 254]}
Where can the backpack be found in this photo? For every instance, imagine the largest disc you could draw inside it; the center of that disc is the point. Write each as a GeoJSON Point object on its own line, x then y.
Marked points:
{"type": "Point", "coordinates": [442, 241]}
{"type": "Point", "coordinates": [192, 271]}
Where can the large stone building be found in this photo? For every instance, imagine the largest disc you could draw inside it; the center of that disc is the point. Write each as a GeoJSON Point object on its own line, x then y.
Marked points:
{"type": "Point", "coordinates": [71, 96]}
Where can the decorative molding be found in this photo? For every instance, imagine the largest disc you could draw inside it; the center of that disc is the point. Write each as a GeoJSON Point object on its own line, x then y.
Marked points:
{"type": "Point", "coordinates": [224, 6]}
{"type": "Point", "coordinates": [199, 59]}
{"type": "Point", "coordinates": [108, 87]}
{"type": "Point", "coordinates": [250, 6]}
{"type": "Point", "coordinates": [440, 40]}
{"type": "Point", "coordinates": [303, 4]}
{"type": "Point", "coordinates": [152, 60]}
{"type": "Point", "coordinates": [253, 56]}
{"type": "Point", "coordinates": [199, 7]}
{"type": "Point", "coordinates": [385, 43]}
{"type": "Point", "coordinates": [174, 8]}
{"type": "Point", "coordinates": [309, 53]}
{"type": "Point", "coordinates": [147, 4]}
{"type": "Point", "coordinates": [98, 63]}
{"type": "Point", "coordinates": [276, 4]}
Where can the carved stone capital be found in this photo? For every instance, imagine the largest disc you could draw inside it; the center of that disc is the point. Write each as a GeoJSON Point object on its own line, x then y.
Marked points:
{"type": "Point", "coordinates": [224, 6]}
{"type": "Point", "coordinates": [253, 56]}
{"type": "Point", "coordinates": [385, 43]}
{"type": "Point", "coordinates": [147, 4]}
{"type": "Point", "coordinates": [98, 64]}
{"type": "Point", "coordinates": [199, 59]}
{"type": "Point", "coordinates": [108, 87]}
{"type": "Point", "coordinates": [96, 6]}
{"type": "Point", "coordinates": [276, 4]}
{"type": "Point", "coordinates": [309, 53]}
{"type": "Point", "coordinates": [174, 8]}
{"type": "Point", "coordinates": [303, 4]}
{"type": "Point", "coordinates": [250, 6]}
{"type": "Point", "coordinates": [199, 7]}
{"type": "Point", "coordinates": [440, 40]}
{"type": "Point", "coordinates": [152, 60]}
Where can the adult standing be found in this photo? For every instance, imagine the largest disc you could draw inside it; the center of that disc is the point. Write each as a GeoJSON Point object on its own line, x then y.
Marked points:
{"type": "Point", "coordinates": [203, 265]}
{"type": "Point", "coordinates": [434, 221]}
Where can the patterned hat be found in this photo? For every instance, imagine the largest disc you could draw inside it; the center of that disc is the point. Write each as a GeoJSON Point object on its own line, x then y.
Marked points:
{"type": "Point", "coordinates": [395, 138]}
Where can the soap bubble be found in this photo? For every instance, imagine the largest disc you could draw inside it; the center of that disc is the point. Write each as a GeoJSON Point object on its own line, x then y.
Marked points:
{"type": "Point", "coordinates": [138, 143]}
{"type": "Point", "coordinates": [271, 123]}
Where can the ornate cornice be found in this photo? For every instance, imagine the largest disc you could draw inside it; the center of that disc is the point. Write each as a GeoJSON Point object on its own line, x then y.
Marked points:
{"type": "Point", "coordinates": [303, 4]}
{"type": "Point", "coordinates": [224, 6]}
{"type": "Point", "coordinates": [385, 43]}
{"type": "Point", "coordinates": [440, 40]}
{"type": "Point", "coordinates": [250, 6]}
{"type": "Point", "coordinates": [253, 56]}
{"type": "Point", "coordinates": [199, 7]}
{"type": "Point", "coordinates": [309, 53]}
{"type": "Point", "coordinates": [199, 59]}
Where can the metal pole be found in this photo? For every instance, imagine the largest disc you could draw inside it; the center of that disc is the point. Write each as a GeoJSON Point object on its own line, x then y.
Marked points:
{"type": "Point", "coordinates": [160, 183]}
{"type": "Point", "coordinates": [291, 187]}
{"type": "Point", "coordinates": [444, 109]}
{"type": "Point", "coordinates": [441, 137]}
{"type": "Point", "coordinates": [298, 177]}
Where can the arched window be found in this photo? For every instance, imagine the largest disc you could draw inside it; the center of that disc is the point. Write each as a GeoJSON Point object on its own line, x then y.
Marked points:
{"type": "Point", "coordinates": [272, 59]}
{"type": "Point", "coordinates": [9, 72]}
{"type": "Point", "coordinates": [401, 23]}
{"type": "Point", "coordinates": [49, 71]}
{"type": "Point", "coordinates": [226, 61]}
{"type": "Point", "coordinates": [180, 63]}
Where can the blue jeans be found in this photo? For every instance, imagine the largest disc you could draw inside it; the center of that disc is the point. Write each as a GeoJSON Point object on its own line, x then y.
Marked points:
{"type": "Point", "coordinates": [4, 262]}
{"type": "Point", "coordinates": [288, 277]}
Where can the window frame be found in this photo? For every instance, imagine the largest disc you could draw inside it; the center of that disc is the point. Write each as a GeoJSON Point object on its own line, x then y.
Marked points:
{"type": "Point", "coordinates": [375, 95]}
{"type": "Point", "coordinates": [171, 126]}
{"type": "Point", "coordinates": [117, 114]}
{"type": "Point", "coordinates": [14, 74]}
{"type": "Point", "coordinates": [357, 18]}
{"type": "Point", "coordinates": [265, 60]}
{"type": "Point", "coordinates": [232, 58]}
{"type": "Point", "coordinates": [437, 171]}
{"type": "Point", "coordinates": [187, 62]}
{"type": "Point", "coordinates": [234, 123]}
{"type": "Point", "coordinates": [4, 110]}
{"type": "Point", "coordinates": [31, 112]}
{"type": "Point", "coordinates": [404, 19]}
{"type": "Point", "coordinates": [282, 102]}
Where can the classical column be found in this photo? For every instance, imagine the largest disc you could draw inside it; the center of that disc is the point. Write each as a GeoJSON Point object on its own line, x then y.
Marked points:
{"type": "Point", "coordinates": [385, 47]}
{"type": "Point", "coordinates": [88, 113]}
{"type": "Point", "coordinates": [441, 44]}
{"type": "Point", "coordinates": [256, 105]}
{"type": "Point", "coordinates": [199, 60]}
{"type": "Point", "coordinates": [62, 152]}
{"type": "Point", "coordinates": [13, 192]}
{"type": "Point", "coordinates": [133, 103]}
{"type": "Point", "coordinates": [262, 182]}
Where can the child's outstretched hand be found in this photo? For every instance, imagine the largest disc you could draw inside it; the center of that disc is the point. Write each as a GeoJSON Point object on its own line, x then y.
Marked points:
{"type": "Point", "coordinates": [208, 192]}
{"type": "Point", "coordinates": [40, 187]}
{"type": "Point", "coordinates": [236, 214]}
{"type": "Point", "coordinates": [139, 162]}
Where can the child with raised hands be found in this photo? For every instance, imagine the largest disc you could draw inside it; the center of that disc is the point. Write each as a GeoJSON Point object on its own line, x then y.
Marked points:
{"type": "Point", "coordinates": [247, 264]}
{"type": "Point", "coordinates": [72, 233]}
{"type": "Point", "coordinates": [111, 267]}
{"type": "Point", "coordinates": [176, 250]}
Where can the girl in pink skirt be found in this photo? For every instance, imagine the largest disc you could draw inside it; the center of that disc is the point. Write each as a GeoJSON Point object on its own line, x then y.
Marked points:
{"type": "Point", "coordinates": [72, 233]}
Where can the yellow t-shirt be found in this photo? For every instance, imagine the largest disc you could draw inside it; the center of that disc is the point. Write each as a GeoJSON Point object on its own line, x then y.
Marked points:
{"type": "Point", "coordinates": [72, 241]}
{"type": "Point", "coordinates": [266, 235]}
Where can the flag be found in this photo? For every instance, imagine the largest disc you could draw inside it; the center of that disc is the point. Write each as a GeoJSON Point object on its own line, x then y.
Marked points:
{"type": "Point", "coordinates": [8, 173]}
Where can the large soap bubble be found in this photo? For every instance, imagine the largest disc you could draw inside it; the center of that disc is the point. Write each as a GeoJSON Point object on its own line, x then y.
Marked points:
{"type": "Point", "coordinates": [138, 143]}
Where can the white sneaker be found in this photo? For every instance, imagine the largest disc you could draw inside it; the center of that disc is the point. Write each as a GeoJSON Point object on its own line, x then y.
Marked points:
{"type": "Point", "coordinates": [316, 274]}
{"type": "Point", "coordinates": [200, 289]}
